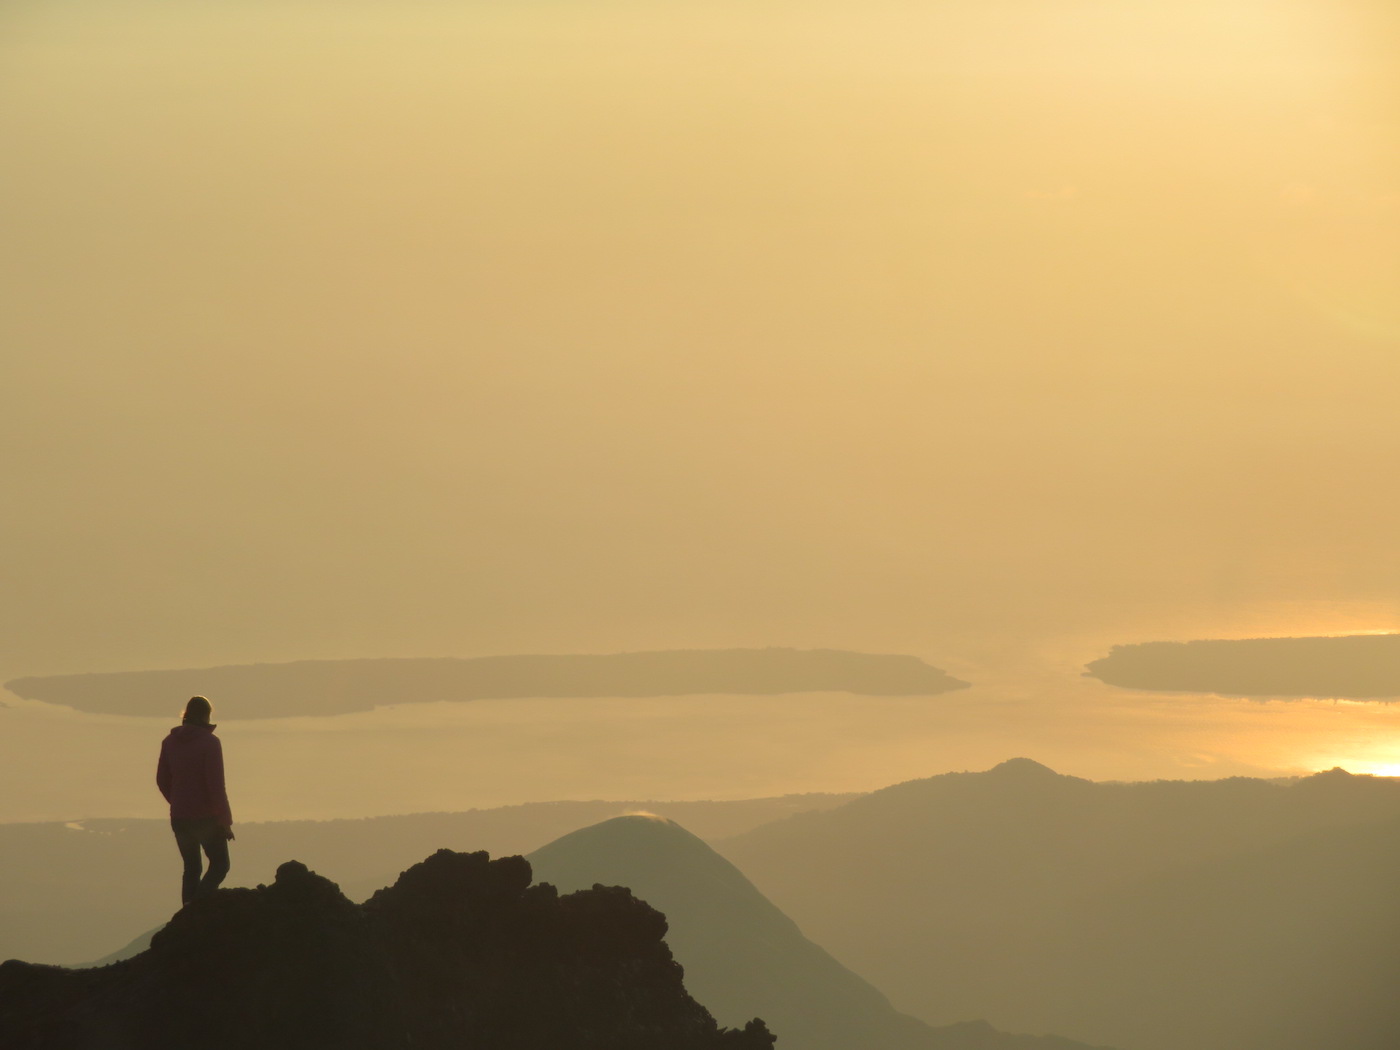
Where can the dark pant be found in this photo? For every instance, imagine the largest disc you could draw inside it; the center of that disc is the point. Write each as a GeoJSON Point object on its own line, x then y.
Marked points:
{"type": "Point", "coordinates": [192, 835]}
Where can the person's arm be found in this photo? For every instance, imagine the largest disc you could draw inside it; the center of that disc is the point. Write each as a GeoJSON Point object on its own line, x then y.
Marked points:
{"type": "Point", "coordinates": [214, 772]}
{"type": "Point", "coordinates": [163, 773]}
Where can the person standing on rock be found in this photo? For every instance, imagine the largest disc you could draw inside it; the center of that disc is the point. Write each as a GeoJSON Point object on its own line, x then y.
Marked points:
{"type": "Point", "coordinates": [190, 774]}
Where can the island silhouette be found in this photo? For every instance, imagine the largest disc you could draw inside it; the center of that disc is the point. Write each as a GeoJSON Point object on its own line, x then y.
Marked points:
{"type": "Point", "coordinates": [1353, 667]}
{"type": "Point", "coordinates": [332, 687]}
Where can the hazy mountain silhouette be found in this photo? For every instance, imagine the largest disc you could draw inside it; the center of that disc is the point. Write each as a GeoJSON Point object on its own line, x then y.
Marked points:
{"type": "Point", "coordinates": [1361, 667]}
{"type": "Point", "coordinates": [461, 951]}
{"type": "Point", "coordinates": [325, 687]}
{"type": "Point", "coordinates": [1218, 915]}
{"type": "Point", "coordinates": [1293, 946]}
{"type": "Point", "coordinates": [126, 951]}
{"type": "Point", "coordinates": [742, 956]}
{"type": "Point", "coordinates": [73, 892]}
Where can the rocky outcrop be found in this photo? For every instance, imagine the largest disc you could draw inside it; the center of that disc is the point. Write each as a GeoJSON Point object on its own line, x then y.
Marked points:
{"type": "Point", "coordinates": [461, 951]}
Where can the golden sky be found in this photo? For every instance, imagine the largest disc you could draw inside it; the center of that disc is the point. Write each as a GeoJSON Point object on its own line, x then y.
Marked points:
{"type": "Point", "coordinates": [452, 329]}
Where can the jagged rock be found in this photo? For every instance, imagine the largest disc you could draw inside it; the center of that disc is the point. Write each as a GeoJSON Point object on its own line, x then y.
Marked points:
{"type": "Point", "coordinates": [462, 951]}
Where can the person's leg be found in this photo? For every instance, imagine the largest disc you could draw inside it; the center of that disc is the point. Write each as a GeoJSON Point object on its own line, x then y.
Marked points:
{"type": "Point", "coordinates": [187, 838]}
{"type": "Point", "coordinates": [216, 849]}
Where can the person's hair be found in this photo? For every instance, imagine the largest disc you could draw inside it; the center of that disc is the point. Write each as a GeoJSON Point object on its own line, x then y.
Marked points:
{"type": "Point", "coordinates": [198, 711]}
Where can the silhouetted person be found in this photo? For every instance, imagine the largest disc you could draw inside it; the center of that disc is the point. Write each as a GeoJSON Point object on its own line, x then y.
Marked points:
{"type": "Point", "coordinates": [190, 774]}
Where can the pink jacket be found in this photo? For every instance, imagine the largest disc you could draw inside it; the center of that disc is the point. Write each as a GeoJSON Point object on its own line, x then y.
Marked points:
{"type": "Point", "coordinates": [190, 774]}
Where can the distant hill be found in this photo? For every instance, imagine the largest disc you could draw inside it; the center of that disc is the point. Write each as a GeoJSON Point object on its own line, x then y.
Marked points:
{"type": "Point", "coordinates": [461, 951]}
{"type": "Point", "coordinates": [136, 947]}
{"type": "Point", "coordinates": [1235, 914]}
{"type": "Point", "coordinates": [742, 956]}
{"type": "Point", "coordinates": [74, 893]}
{"type": "Point", "coordinates": [329, 687]}
{"type": "Point", "coordinates": [1360, 667]}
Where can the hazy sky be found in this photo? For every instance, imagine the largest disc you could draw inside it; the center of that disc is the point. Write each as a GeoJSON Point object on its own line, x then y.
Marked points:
{"type": "Point", "coordinates": [954, 328]}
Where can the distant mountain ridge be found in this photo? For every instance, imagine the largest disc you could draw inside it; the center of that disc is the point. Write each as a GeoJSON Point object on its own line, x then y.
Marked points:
{"type": "Point", "coordinates": [328, 687]}
{"type": "Point", "coordinates": [1358, 667]}
{"type": "Point", "coordinates": [742, 956]}
{"type": "Point", "coordinates": [72, 892]}
{"type": "Point", "coordinates": [1236, 914]}
{"type": "Point", "coordinates": [460, 951]}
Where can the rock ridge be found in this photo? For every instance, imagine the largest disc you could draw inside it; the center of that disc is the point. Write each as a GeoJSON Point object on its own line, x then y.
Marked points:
{"type": "Point", "coordinates": [461, 951]}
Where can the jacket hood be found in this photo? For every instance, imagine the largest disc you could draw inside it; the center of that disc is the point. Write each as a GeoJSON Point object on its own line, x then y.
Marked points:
{"type": "Point", "coordinates": [186, 732]}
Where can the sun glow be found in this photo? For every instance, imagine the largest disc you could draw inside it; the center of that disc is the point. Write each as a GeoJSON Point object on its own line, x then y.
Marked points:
{"type": "Point", "coordinates": [1381, 762]}
{"type": "Point", "coordinates": [1388, 769]}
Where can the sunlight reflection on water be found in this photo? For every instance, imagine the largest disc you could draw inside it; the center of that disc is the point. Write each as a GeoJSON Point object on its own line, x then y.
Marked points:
{"type": "Point", "coordinates": [1030, 701]}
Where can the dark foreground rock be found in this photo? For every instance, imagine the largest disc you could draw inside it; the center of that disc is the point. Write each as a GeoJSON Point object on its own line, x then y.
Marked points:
{"type": "Point", "coordinates": [461, 952]}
